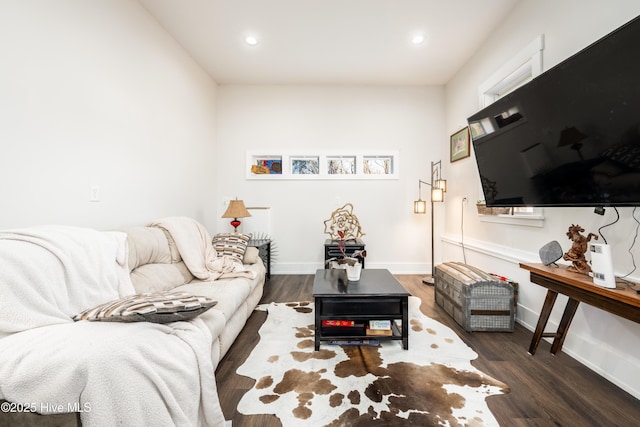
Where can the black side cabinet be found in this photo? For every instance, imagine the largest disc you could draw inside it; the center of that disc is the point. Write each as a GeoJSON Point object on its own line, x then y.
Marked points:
{"type": "Point", "coordinates": [331, 249]}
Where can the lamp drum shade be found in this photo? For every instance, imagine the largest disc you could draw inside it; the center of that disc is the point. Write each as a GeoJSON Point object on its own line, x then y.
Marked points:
{"type": "Point", "coordinates": [420, 207]}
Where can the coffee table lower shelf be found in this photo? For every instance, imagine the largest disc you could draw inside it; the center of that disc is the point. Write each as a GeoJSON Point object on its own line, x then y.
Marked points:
{"type": "Point", "coordinates": [362, 339]}
{"type": "Point", "coordinates": [362, 310]}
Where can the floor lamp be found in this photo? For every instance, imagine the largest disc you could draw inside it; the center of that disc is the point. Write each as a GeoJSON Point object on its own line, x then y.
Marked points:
{"type": "Point", "coordinates": [438, 188]}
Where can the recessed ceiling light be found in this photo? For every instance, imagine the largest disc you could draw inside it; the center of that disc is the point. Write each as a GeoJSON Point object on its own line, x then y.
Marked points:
{"type": "Point", "coordinates": [418, 39]}
{"type": "Point", "coordinates": [251, 40]}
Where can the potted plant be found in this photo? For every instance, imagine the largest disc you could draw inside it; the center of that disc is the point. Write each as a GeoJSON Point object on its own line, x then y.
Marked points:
{"type": "Point", "coordinates": [484, 210]}
{"type": "Point", "coordinates": [348, 262]}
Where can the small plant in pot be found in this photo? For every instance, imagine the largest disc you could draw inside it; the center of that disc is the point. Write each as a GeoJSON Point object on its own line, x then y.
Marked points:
{"type": "Point", "coordinates": [348, 262]}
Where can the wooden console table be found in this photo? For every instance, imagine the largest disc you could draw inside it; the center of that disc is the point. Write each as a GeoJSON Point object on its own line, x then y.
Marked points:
{"type": "Point", "coordinates": [579, 288]}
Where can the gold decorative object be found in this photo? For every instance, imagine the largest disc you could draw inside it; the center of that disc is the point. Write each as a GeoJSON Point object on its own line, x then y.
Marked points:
{"type": "Point", "coordinates": [259, 169]}
{"type": "Point", "coordinates": [343, 220]}
{"type": "Point", "coordinates": [578, 249]}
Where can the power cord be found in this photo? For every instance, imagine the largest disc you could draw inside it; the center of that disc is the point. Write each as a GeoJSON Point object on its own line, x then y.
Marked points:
{"type": "Point", "coordinates": [633, 243]}
{"type": "Point", "coordinates": [607, 225]}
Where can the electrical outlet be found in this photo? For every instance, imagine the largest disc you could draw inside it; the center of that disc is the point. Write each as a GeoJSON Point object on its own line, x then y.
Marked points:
{"type": "Point", "coordinates": [94, 195]}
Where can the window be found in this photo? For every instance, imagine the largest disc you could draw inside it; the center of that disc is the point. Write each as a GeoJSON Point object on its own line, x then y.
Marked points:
{"type": "Point", "coordinates": [526, 65]}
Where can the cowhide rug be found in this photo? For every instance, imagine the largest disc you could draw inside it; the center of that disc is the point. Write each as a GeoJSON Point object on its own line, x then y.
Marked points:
{"type": "Point", "coordinates": [431, 384]}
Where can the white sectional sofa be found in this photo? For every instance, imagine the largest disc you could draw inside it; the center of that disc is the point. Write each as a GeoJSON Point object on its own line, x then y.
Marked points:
{"type": "Point", "coordinates": [115, 372]}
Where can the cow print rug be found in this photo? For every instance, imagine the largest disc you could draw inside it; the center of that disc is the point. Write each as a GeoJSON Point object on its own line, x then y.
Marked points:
{"type": "Point", "coordinates": [431, 384]}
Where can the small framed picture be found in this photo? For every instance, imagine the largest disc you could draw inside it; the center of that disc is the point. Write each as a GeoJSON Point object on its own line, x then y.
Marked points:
{"type": "Point", "coordinates": [341, 165]}
{"type": "Point", "coordinates": [460, 145]}
{"type": "Point", "coordinates": [377, 165]}
{"type": "Point", "coordinates": [305, 165]}
{"type": "Point", "coordinates": [267, 165]}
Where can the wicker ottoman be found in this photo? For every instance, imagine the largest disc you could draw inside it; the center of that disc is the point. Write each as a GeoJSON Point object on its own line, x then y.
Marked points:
{"type": "Point", "coordinates": [477, 301]}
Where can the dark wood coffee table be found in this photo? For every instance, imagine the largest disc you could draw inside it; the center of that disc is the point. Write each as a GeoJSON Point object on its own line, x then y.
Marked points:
{"type": "Point", "coordinates": [376, 296]}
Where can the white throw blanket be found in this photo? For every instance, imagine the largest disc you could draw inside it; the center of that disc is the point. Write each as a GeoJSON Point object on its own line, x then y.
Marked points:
{"type": "Point", "coordinates": [113, 373]}
{"type": "Point", "coordinates": [194, 244]}
{"type": "Point", "coordinates": [51, 273]}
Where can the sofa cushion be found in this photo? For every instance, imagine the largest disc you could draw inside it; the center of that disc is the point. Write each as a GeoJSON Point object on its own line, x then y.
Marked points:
{"type": "Point", "coordinates": [160, 277]}
{"type": "Point", "coordinates": [159, 307]}
{"type": "Point", "coordinates": [149, 245]}
{"type": "Point", "coordinates": [230, 293]}
{"type": "Point", "coordinates": [232, 244]}
{"type": "Point", "coordinates": [251, 255]}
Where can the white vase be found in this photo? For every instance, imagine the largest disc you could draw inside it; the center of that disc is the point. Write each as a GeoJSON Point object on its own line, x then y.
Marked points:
{"type": "Point", "coordinates": [353, 272]}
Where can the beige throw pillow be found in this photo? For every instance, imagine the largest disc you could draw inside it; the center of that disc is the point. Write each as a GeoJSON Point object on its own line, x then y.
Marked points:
{"type": "Point", "coordinates": [232, 244]}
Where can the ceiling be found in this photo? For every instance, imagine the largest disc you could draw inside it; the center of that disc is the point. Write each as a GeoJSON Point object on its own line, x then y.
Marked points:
{"type": "Point", "coordinates": [364, 42]}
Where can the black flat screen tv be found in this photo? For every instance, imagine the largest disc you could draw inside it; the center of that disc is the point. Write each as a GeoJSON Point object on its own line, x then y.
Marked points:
{"type": "Point", "coordinates": [569, 137]}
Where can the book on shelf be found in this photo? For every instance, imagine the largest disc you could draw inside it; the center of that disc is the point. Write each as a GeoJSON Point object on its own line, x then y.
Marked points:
{"type": "Point", "coordinates": [338, 322]}
{"type": "Point", "coordinates": [357, 330]}
{"type": "Point", "coordinates": [380, 324]}
{"type": "Point", "coordinates": [379, 332]}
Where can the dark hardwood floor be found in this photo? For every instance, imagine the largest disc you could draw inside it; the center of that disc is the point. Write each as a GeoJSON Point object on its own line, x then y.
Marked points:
{"type": "Point", "coordinates": [546, 390]}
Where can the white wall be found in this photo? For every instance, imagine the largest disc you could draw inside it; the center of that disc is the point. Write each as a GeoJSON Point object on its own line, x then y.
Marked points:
{"type": "Point", "coordinates": [408, 119]}
{"type": "Point", "coordinates": [97, 93]}
{"type": "Point", "coordinates": [606, 343]}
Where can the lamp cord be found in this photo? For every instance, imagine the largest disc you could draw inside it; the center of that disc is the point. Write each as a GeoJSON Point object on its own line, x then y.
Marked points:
{"type": "Point", "coordinates": [607, 225]}
{"type": "Point", "coordinates": [633, 243]}
{"type": "Point", "coordinates": [464, 255]}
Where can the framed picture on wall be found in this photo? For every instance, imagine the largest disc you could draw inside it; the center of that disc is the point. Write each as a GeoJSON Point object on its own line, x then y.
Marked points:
{"type": "Point", "coordinates": [380, 165]}
{"type": "Point", "coordinates": [460, 147]}
{"type": "Point", "coordinates": [341, 165]}
{"type": "Point", "coordinates": [305, 165]}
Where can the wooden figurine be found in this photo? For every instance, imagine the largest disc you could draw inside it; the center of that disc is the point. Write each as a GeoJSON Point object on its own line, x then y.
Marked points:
{"type": "Point", "coordinates": [578, 249]}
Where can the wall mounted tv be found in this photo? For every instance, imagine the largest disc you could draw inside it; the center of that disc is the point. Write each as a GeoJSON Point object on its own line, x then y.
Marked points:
{"type": "Point", "coordinates": [571, 136]}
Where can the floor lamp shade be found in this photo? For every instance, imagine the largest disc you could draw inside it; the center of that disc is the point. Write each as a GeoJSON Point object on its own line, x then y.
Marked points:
{"type": "Point", "coordinates": [420, 206]}
{"type": "Point", "coordinates": [437, 195]}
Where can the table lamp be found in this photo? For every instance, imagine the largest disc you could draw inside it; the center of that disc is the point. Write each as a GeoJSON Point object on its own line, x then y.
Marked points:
{"type": "Point", "coordinates": [235, 210]}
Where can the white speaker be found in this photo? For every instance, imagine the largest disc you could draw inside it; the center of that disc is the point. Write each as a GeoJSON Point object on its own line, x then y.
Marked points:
{"type": "Point", "coordinates": [602, 265]}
